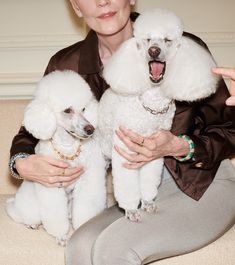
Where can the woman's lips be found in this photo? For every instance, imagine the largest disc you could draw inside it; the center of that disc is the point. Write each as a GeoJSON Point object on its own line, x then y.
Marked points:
{"type": "Point", "coordinates": [107, 15]}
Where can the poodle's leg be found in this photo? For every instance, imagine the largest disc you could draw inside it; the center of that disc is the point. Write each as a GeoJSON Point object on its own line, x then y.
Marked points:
{"type": "Point", "coordinates": [126, 185]}
{"type": "Point", "coordinates": [54, 211]}
{"type": "Point", "coordinates": [89, 195]}
{"type": "Point", "coordinates": [149, 206]}
{"type": "Point", "coordinates": [150, 179]}
{"type": "Point", "coordinates": [24, 207]}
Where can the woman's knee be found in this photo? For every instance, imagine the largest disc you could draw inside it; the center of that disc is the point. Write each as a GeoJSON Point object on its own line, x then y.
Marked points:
{"type": "Point", "coordinates": [111, 250]}
{"type": "Point", "coordinates": [125, 256]}
{"type": "Point", "coordinates": [78, 249]}
{"type": "Point", "coordinates": [80, 244]}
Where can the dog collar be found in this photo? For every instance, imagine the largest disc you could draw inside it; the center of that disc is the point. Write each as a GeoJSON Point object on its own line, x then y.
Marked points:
{"type": "Point", "coordinates": [154, 111]}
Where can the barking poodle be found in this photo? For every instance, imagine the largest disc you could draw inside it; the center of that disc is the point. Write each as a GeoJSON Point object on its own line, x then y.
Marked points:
{"type": "Point", "coordinates": [148, 72]}
{"type": "Point", "coordinates": [63, 116]}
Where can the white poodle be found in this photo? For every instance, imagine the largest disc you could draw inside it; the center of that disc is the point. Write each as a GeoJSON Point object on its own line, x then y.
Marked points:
{"type": "Point", "coordinates": [151, 70]}
{"type": "Point", "coordinates": [63, 116]}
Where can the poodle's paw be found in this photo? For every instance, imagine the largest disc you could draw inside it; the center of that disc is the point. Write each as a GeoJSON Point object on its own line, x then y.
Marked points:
{"type": "Point", "coordinates": [133, 215]}
{"type": "Point", "coordinates": [34, 227]}
{"type": "Point", "coordinates": [62, 241]}
{"type": "Point", "coordinates": [149, 206]}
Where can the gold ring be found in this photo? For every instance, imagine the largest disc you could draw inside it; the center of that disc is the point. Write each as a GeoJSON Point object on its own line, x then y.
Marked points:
{"type": "Point", "coordinates": [63, 172]}
{"type": "Point", "coordinates": [60, 185]}
{"type": "Point", "coordinates": [142, 143]}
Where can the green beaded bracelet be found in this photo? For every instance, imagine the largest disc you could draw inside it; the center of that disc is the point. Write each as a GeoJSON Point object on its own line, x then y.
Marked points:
{"type": "Point", "coordinates": [191, 148]}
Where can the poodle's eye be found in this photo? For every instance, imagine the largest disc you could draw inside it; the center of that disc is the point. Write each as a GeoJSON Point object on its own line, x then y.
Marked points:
{"type": "Point", "coordinates": [83, 109]}
{"type": "Point", "coordinates": [148, 40]}
{"type": "Point", "coordinates": [167, 40]}
{"type": "Point", "coordinates": [68, 110]}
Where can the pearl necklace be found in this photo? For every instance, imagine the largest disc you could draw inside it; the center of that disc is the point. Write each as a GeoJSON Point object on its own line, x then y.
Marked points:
{"type": "Point", "coordinates": [64, 157]}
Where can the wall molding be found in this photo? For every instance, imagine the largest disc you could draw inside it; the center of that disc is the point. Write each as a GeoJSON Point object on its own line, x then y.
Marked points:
{"type": "Point", "coordinates": [54, 41]}
{"type": "Point", "coordinates": [16, 85]}
{"type": "Point", "coordinates": [22, 85]}
{"type": "Point", "coordinates": [38, 41]}
{"type": "Point", "coordinates": [218, 39]}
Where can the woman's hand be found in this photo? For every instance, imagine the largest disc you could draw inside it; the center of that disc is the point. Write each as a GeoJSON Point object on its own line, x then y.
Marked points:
{"type": "Point", "coordinates": [47, 171]}
{"type": "Point", "coordinates": [146, 149]}
{"type": "Point", "coordinates": [229, 72]}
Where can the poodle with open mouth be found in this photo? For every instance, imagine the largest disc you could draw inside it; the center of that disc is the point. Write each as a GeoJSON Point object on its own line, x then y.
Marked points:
{"type": "Point", "coordinates": [63, 116]}
{"type": "Point", "coordinates": [147, 73]}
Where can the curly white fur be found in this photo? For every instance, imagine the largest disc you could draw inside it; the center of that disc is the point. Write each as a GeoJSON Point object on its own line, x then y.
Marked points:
{"type": "Point", "coordinates": [63, 103]}
{"type": "Point", "coordinates": [187, 76]}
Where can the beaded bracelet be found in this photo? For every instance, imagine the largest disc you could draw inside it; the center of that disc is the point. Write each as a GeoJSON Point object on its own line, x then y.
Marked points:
{"type": "Point", "coordinates": [12, 164]}
{"type": "Point", "coordinates": [191, 149]}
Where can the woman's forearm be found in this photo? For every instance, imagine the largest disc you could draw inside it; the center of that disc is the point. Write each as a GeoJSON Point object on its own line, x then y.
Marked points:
{"type": "Point", "coordinates": [23, 142]}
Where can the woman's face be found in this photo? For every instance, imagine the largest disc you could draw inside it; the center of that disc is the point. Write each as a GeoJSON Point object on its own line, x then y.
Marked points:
{"type": "Point", "coordinates": [106, 17]}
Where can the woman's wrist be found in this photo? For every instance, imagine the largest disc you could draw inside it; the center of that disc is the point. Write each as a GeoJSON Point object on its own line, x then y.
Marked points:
{"type": "Point", "coordinates": [179, 147]}
{"type": "Point", "coordinates": [12, 164]}
{"type": "Point", "coordinates": [190, 146]}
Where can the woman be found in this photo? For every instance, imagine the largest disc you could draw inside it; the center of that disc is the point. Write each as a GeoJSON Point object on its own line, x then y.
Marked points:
{"type": "Point", "coordinates": [196, 197]}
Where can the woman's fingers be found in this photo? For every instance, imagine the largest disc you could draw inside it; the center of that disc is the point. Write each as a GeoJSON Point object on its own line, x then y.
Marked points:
{"type": "Point", "coordinates": [70, 175]}
{"type": "Point", "coordinates": [57, 171]}
{"type": "Point", "coordinates": [130, 139]}
{"type": "Point", "coordinates": [55, 162]}
{"type": "Point", "coordinates": [57, 184]}
{"type": "Point", "coordinates": [136, 160]}
{"type": "Point", "coordinates": [130, 157]}
{"type": "Point", "coordinates": [136, 138]}
{"type": "Point", "coordinates": [48, 171]}
{"type": "Point", "coordinates": [231, 100]}
{"type": "Point", "coordinates": [229, 72]}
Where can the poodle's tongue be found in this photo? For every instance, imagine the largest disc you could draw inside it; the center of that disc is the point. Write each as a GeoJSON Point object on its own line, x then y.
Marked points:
{"type": "Point", "coordinates": [156, 69]}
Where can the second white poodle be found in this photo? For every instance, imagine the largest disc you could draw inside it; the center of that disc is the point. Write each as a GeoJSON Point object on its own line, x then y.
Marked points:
{"type": "Point", "coordinates": [63, 116]}
{"type": "Point", "coordinates": [146, 75]}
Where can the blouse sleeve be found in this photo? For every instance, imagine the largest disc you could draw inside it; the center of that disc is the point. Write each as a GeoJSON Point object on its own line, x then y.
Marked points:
{"type": "Point", "coordinates": [214, 130]}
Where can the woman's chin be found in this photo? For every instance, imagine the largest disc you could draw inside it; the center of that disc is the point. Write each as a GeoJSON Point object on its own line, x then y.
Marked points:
{"type": "Point", "coordinates": [111, 30]}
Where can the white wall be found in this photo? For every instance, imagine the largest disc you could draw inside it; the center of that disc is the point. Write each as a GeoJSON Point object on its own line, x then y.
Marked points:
{"type": "Point", "coordinates": [32, 31]}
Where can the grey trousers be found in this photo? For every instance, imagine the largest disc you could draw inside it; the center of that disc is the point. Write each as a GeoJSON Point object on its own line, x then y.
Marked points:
{"type": "Point", "coordinates": [180, 226]}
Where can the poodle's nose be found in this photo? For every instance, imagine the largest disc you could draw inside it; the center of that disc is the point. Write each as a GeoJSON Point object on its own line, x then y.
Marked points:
{"type": "Point", "coordinates": [89, 129]}
{"type": "Point", "coordinates": [154, 51]}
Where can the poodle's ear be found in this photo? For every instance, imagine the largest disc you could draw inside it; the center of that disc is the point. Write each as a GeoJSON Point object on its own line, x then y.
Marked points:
{"type": "Point", "coordinates": [39, 120]}
{"type": "Point", "coordinates": [189, 76]}
{"type": "Point", "coordinates": [126, 71]}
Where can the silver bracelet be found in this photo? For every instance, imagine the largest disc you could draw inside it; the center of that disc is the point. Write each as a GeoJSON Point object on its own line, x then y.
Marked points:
{"type": "Point", "coordinates": [12, 167]}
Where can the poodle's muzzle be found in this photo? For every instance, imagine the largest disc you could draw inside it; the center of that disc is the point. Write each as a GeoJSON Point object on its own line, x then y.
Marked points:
{"type": "Point", "coordinates": [83, 129]}
{"type": "Point", "coordinates": [78, 126]}
{"type": "Point", "coordinates": [157, 67]}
